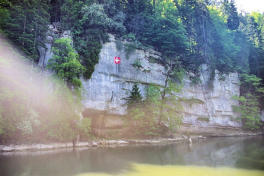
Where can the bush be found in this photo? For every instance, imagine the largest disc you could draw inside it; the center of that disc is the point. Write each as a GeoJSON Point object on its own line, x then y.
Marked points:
{"type": "Point", "coordinates": [85, 127]}
{"type": "Point", "coordinates": [249, 111]}
{"type": "Point", "coordinates": [65, 62]}
{"type": "Point", "coordinates": [249, 101]}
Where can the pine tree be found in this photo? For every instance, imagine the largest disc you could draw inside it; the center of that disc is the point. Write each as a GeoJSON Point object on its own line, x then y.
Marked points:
{"type": "Point", "coordinates": [135, 96]}
{"type": "Point", "coordinates": [233, 20]}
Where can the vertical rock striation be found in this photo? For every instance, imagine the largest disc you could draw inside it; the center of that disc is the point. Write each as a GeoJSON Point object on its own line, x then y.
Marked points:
{"type": "Point", "coordinates": [203, 105]}
{"type": "Point", "coordinates": [52, 34]}
{"type": "Point", "coordinates": [110, 83]}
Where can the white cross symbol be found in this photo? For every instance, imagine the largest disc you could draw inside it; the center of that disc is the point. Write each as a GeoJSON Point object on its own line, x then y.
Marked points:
{"type": "Point", "coordinates": [117, 60]}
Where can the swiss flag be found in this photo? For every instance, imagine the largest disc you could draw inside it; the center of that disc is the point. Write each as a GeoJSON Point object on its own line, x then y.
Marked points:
{"type": "Point", "coordinates": [117, 60]}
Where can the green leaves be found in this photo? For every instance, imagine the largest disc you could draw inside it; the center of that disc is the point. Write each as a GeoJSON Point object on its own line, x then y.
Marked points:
{"type": "Point", "coordinates": [85, 126]}
{"type": "Point", "coordinates": [65, 63]}
{"type": "Point", "coordinates": [249, 101]}
{"type": "Point", "coordinates": [26, 23]}
{"type": "Point", "coordinates": [135, 97]}
{"type": "Point", "coordinates": [249, 111]}
{"type": "Point", "coordinates": [157, 114]}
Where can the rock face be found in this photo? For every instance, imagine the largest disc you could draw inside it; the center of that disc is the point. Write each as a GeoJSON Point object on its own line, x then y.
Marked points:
{"type": "Point", "coordinates": [52, 34]}
{"type": "Point", "coordinates": [215, 105]}
{"type": "Point", "coordinates": [204, 106]}
{"type": "Point", "coordinates": [110, 84]}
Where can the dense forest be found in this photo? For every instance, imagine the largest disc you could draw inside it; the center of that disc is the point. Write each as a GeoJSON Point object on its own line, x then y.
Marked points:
{"type": "Point", "coordinates": [188, 33]}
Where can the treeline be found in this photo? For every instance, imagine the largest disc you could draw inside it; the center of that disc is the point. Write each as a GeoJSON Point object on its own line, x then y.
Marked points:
{"type": "Point", "coordinates": [188, 33]}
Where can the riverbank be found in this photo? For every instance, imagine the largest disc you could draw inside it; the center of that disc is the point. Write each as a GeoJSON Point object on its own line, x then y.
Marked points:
{"type": "Point", "coordinates": [109, 143]}
{"type": "Point", "coordinates": [96, 143]}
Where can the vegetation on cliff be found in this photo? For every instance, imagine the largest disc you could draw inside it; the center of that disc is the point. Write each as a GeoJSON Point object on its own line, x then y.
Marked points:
{"type": "Point", "coordinates": [188, 33]}
{"type": "Point", "coordinates": [65, 62]}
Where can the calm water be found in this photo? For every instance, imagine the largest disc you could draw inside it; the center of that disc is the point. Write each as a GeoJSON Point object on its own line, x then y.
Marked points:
{"type": "Point", "coordinates": [242, 153]}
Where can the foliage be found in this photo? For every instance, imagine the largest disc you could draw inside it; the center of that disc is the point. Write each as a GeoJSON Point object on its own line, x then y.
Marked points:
{"type": "Point", "coordinates": [188, 33]}
{"type": "Point", "coordinates": [231, 11]}
{"type": "Point", "coordinates": [165, 109]}
{"type": "Point", "coordinates": [194, 32]}
{"type": "Point", "coordinates": [224, 48]}
{"type": "Point", "coordinates": [249, 107]}
{"type": "Point", "coordinates": [89, 23]}
{"type": "Point", "coordinates": [165, 35]}
{"type": "Point", "coordinates": [129, 49]}
{"type": "Point", "coordinates": [155, 115]}
{"type": "Point", "coordinates": [119, 45]}
{"type": "Point", "coordinates": [135, 96]}
{"type": "Point", "coordinates": [65, 62]}
{"type": "Point", "coordinates": [191, 31]}
{"type": "Point", "coordinates": [249, 111]}
{"type": "Point", "coordinates": [25, 22]}
{"type": "Point", "coordinates": [1, 125]}
{"type": "Point", "coordinates": [85, 127]}
{"type": "Point", "coordinates": [137, 64]}
{"type": "Point", "coordinates": [191, 101]}
{"type": "Point", "coordinates": [30, 115]}
{"type": "Point", "coordinates": [203, 119]}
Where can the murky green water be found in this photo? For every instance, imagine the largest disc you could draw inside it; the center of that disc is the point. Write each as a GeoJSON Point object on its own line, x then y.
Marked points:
{"type": "Point", "coordinates": [217, 156]}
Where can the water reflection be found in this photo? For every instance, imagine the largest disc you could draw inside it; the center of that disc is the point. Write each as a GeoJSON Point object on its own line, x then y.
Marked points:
{"type": "Point", "coordinates": [218, 152]}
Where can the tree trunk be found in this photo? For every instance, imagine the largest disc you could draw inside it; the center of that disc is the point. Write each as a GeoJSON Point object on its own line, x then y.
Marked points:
{"type": "Point", "coordinates": [24, 28]}
{"type": "Point", "coordinates": [163, 97]}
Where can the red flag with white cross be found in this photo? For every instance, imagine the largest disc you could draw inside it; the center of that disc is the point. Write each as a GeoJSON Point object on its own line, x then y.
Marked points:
{"type": "Point", "coordinates": [117, 60]}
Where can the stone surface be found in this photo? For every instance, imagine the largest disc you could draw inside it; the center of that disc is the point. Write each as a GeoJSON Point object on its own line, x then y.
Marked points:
{"type": "Point", "coordinates": [110, 85]}
{"type": "Point", "coordinates": [216, 101]}
{"type": "Point", "coordinates": [46, 52]}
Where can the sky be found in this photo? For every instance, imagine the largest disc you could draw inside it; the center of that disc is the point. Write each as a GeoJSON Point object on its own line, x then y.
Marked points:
{"type": "Point", "coordinates": [250, 5]}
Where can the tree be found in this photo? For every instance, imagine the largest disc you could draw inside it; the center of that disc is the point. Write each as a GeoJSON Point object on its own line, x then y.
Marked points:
{"type": "Point", "coordinates": [231, 11]}
{"type": "Point", "coordinates": [26, 24]}
{"type": "Point", "coordinates": [164, 108]}
{"type": "Point", "coordinates": [90, 26]}
{"type": "Point", "coordinates": [196, 19]}
{"type": "Point", "coordinates": [65, 62]}
{"type": "Point", "coordinates": [4, 12]}
{"type": "Point", "coordinates": [135, 96]}
{"type": "Point", "coordinates": [160, 112]}
{"type": "Point", "coordinates": [249, 108]}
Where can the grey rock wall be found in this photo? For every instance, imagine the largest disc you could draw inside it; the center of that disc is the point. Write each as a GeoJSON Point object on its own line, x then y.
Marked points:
{"type": "Point", "coordinates": [46, 51]}
{"type": "Point", "coordinates": [110, 84]}
{"type": "Point", "coordinates": [217, 101]}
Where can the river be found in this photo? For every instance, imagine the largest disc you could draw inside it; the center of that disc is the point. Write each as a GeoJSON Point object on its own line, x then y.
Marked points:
{"type": "Point", "coordinates": [234, 156]}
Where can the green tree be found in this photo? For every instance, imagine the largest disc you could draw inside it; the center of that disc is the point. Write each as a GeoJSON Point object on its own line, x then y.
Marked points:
{"type": "Point", "coordinates": [65, 62]}
{"type": "Point", "coordinates": [164, 107]}
{"type": "Point", "coordinates": [26, 23]}
{"type": "Point", "coordinates": [135, 96]}
{"type": "Point", "coordinates": [249, 108]}
{"type": "Point", "coordinates": [231, 11]}
{"type": "Point", "coordinates": [90, 26]}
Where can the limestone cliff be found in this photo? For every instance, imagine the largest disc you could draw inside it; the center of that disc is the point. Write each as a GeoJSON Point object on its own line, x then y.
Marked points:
{"type": "Point", "coordinates": [45, 51]}
{"type": "Point", "coordinates": [110, 84]}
